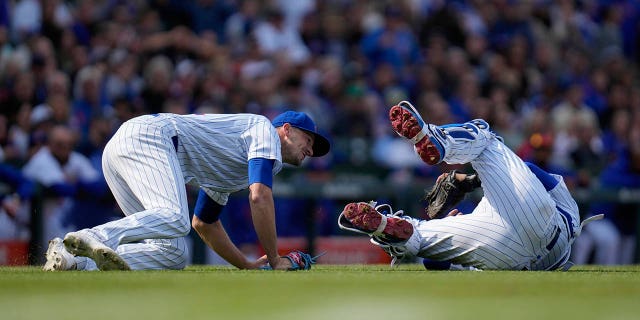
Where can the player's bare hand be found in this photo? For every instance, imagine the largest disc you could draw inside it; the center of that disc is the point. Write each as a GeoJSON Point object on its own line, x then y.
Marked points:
{"type": "Point", "coordinates": [259, 263]}
{"type": "Point", "coordinates": [459, 176]}
{"type": "Point", "coordinates": [442, 176]}
{"type": "Point", "coordinates": [281, 263]}
{"type": "Point", "coordinates": [454, 212]}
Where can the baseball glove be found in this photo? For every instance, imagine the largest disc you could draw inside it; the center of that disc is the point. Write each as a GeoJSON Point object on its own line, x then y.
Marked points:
{"type": "Point", "coordinates": [299, 261]}
{"type": "Point", "coordinates": [447, 192]}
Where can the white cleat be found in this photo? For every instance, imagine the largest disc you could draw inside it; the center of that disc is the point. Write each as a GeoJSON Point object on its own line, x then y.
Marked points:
{"type": "Point", "coordinates": [106, 259]}
{"type": "Point", "coordinates": [58, 258]}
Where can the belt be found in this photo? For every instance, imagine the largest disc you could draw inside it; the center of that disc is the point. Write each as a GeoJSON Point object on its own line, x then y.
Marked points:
{"type": "Point", "coordinates": [567, 220]}
{"type": "Point", "coordinates": [174, 139]}
{"type": "Point", "coordinates": [569, 225]}
{"type": "Point", "coordinates": [554, 240]}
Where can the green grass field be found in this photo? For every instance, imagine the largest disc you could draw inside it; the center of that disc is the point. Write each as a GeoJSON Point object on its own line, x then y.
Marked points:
{"type": "Point", "coordinates": [326, 292]}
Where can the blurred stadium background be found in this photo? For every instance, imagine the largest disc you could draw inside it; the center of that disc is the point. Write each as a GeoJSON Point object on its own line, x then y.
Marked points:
{"type": "Point", "coordinates": [558, 80]}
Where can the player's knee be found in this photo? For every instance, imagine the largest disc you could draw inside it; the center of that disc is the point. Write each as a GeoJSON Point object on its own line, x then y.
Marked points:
{"type": "Point", "coordinates": [179, 260]}
{"type": "Point", "coordinates": [183, 227]}
{"type": "Point", "coordinates": [177, 255]}
{"type": "Point", "coordinates": [178, 221]}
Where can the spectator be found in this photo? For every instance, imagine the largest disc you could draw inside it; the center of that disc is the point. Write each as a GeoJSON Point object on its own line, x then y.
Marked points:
{"type": "Point", "coordinates": [209, 15]}
{"type": "Point", "coordinates": [514, 63]}
{"type": "Point", "coordinates": [394, 43]}
{"type": "Point", "coordinates": [615, 136]}
{"type": "Point", "coordinates": [613, 241]}
{"type": "Point", "coordinates": [89, 98]}
{"type": "Point", "coordinates": [295, 12]}
{"type": "Point", "coordinates": [586, 154]}
{"type": "Point", "coordinates": [538, 149]}
{"type": "Point", "coordinates": [26, 19]}
{"type": "Point", "coordinates": [240, 24]}
{"type": "Point", "coordinates": [61, 171]}
{"type": "Point", "coordinates": [275, 38]}
{"type": "Point", "coordinates": [14, 215]}
{"type": "Point", "coordinates": [93, 203]}
{"type": "Point", "coordinates": [158, 74]}
{"type": "Point", "coordinates": [121, 79]}
{"type": "Point", "coordinates": [567, 116]}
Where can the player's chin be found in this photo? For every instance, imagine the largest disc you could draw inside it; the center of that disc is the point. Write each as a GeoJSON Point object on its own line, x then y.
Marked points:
{"type": "Point", "coordinates": [294, 161]}
{"type": "Point", "coordinates": [300, 160]}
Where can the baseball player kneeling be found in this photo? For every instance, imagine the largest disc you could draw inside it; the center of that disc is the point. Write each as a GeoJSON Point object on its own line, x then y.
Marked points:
{"type": "Point", "coordinates": [526, 220]}
{"type": "Point", "coordinates": [147, 164]}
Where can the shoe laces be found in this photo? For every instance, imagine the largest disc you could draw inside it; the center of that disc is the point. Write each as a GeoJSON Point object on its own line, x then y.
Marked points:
{"type": "Point", "coordinates": [386, 210]}
{"type": "Point", "coordinates": [397, 253]}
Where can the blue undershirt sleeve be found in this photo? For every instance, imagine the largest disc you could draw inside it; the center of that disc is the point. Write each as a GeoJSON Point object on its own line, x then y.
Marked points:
{"type": "Point", "coordinates": [548, 181]}
{"type": "Point", "coordinates": [261, 170]}
{"type": "Point", "coordinates": [206, 209]}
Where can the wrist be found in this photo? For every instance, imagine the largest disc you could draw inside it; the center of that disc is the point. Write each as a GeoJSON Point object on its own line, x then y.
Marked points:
{"type": "Point", "coordinates": [273, 260]}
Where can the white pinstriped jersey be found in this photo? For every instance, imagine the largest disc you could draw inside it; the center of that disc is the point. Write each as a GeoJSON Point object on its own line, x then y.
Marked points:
{"type": "Point", "coordinates": [517, 224]}
{"type": "Point", "coordinates": [214, 149]}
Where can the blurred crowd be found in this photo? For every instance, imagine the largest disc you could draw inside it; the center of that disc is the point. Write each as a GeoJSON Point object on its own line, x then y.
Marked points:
{"type": "Point", "coordinates": [558, 80]}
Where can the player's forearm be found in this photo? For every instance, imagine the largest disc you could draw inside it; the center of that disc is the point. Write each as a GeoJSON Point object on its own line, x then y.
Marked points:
{"type": "Point", "coordinates": [266, 231]}
{"type": "Point", "coordinates": [216, 238]}
{"type": "Point", "coordinates": [264, 221]}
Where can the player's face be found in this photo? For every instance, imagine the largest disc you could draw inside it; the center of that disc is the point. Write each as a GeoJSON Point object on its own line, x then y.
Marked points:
{"type": "Point", "coordinates": [296, 146]}
{"type": "Point", "coordinates": [61, 143]}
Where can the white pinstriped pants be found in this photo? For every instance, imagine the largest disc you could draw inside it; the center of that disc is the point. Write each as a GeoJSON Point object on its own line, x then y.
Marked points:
{"type": "Point", "coordinates": [143, 172]}
{"type": "Point", "coordinates": [514, 222]}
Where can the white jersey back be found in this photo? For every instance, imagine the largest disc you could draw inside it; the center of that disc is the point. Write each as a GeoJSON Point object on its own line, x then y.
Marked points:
{"type": "Point", "coordinates": [214, 149]}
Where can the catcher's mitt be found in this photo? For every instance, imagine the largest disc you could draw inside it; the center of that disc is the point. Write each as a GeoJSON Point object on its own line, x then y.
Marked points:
{"type": "Point", "coordinates": [447, 192]}
{"type": "Point", "coordinates": [299, 261]}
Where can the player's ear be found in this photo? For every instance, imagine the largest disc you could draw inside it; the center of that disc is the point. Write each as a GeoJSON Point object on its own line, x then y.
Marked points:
{"type": "Point", "coordinates": [286, 128]}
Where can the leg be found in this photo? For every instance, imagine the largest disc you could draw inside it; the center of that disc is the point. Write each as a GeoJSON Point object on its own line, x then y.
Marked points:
{"type": "Point", "coordinates": [454, 144]}
{"type": "Point", "coordinates": [144, 175]}
{"type": "Point", "coordinates": [390, 230]}
{"type": "Point", "coordinates": [363, 217]}
{"type": "Point", "coordinates": [156, 254]}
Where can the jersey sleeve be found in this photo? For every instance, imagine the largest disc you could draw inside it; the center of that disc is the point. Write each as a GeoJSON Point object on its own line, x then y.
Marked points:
{"type": "Point", "coordinates": [220, 197]}
{"type": "Point", "coordinates": [263, 142]}
{"type": "Point", "coordinates": [206, 209]}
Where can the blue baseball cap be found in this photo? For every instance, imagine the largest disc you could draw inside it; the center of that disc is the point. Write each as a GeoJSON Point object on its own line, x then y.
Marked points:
{"type": "Point", "coordinates": [302, 121]}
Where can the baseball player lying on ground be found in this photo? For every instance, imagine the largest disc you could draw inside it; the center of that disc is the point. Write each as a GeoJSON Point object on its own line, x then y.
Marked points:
{"type": "Point", "coordinates": [526, 220]}
{"type": "Point", "coordinates": [146, 165]}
